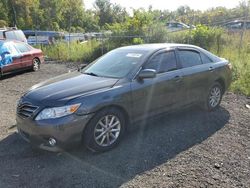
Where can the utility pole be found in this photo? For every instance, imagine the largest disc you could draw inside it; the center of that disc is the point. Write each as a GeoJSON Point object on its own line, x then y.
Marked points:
{"type": "Point", "coordinates": [14, 13]}
{"type": "Point", "coordinates": [246, 12]}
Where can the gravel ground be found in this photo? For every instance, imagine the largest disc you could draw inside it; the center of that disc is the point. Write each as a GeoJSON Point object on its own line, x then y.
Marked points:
{"type": "Point", "coordinates": [191, 148]}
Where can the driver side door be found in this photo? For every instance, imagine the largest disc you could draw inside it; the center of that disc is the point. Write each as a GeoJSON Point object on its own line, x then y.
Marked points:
{"type": "Point", "coordinates": [160, 94]}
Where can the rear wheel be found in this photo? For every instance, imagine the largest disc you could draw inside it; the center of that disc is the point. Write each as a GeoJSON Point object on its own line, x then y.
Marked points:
{"type": "Point", "coordinates": [36, 64]}
{"type": "Point", "coordinates": [105, 130]}
{"type": "Point", "coordinates": [214, 97]}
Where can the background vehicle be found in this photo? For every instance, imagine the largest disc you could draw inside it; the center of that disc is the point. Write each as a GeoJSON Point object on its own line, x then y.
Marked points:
{"type": "Point", "coordinates": [72, 37]}
{"type": "Point", "coordinates": [40, 40]}
{"type": "Point", "coordinates": [176, 26]}
{"type": "Point", "coordinates": [43, 37]}
{"type": "Point", "coordinates": [12, 33]}
{"type": "Point", "coordinates": [15, 55]}
{"type": "Point", "coordinates": [237, 25]}
{"type": "Point", "coordinates": [125, 85]}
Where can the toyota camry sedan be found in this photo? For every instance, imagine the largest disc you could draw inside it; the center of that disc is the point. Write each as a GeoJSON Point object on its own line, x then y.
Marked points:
{"type": "Point", "coordinates": [95, 104]}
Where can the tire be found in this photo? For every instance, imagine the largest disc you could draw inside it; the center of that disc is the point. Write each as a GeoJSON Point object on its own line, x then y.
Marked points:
{"type": "Point", "coordinates": [105, 130]}
{"type": "Point", "coordinates": [214, 97]}
{"type": "Point", "coordinates": [35, 65]}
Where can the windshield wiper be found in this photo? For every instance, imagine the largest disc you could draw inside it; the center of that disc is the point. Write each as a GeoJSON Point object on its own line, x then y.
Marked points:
{"type": "Point", "coordinates": [90, 73]}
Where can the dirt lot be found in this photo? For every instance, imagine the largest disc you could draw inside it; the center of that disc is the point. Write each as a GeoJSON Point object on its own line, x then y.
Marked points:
{"type": "Point", "coordinates": [186, 149]}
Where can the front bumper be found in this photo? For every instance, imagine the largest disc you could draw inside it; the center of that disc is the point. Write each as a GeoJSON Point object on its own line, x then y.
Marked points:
{"type": "Point", "coordinates": [67, 131]}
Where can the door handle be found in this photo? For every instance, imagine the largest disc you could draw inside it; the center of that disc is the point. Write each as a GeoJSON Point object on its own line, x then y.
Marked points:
{"type": "Point", "coordinates": [211, 69]}
{"type": "Point", "coordinates": [177, 78]}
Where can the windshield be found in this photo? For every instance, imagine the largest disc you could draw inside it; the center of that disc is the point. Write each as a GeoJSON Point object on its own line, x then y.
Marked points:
{"type": "Point", "coordinates": [115, 64]}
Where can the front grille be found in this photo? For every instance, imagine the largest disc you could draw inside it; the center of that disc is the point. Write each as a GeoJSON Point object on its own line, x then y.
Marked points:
{"type": "Point", "coordinates": [26, 110]}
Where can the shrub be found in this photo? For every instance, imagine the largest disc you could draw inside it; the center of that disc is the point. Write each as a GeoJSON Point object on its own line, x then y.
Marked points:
{"type": "Point", "coordinates": [206, 37]}
{"type": "Point", "coordinates": [138, 41]}
{"type": "Point", "coordinates": [202, 36]}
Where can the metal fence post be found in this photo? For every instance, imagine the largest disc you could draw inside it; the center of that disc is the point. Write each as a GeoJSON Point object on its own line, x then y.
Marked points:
{"type": "Point", "coordinates": [244, 25]}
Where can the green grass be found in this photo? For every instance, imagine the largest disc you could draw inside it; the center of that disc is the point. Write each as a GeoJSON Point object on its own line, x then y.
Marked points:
{"type": "Point", "coordinates": [241, 69]}
{"type": "Point", "coordinates": [72, 52]}
{"type": "Point", "coordinates": [240, 59]}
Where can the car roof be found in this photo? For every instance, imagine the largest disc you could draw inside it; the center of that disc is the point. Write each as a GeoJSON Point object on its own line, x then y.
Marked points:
{"type": "Point", "coordinates": [157, 46]}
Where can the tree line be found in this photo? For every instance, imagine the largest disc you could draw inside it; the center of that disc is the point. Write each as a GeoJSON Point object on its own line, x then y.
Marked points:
{"type": "Point", "coordinates": [71, 15]}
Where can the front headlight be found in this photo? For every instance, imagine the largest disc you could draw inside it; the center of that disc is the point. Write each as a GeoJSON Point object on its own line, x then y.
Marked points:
{"type": "Point", "coordinates": [57, 112]}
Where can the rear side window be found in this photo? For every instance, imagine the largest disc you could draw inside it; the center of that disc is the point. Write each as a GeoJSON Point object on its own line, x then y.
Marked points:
{"type": "Point", "coordinates": [15, 35]}
{"type": "Point", "coordinates": [163, 62]}
{"type": "Point", "coordinates": [189, 58]}
{"type": "Point", "coordinates": [205, 59]}
{"type": "Point", "coordinates": [10, 35]}
{"type": "Point", "coordinates": [22, 47]}
{"type": "Point", "coordinates": [247, 25]}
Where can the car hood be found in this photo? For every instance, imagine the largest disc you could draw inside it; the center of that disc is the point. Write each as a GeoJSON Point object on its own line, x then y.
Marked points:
{"type": "Point", "coordinates": [61, 89]}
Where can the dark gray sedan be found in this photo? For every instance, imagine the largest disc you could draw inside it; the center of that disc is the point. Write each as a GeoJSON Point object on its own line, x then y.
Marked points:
{"type": "Point", "coordinates": [96, 104]}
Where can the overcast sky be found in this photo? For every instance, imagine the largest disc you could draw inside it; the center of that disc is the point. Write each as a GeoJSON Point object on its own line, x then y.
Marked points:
{"type": "Point", "coordinates": [170, 4]}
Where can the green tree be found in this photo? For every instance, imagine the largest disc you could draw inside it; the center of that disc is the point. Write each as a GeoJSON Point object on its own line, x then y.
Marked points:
{"type": "Point", "coordinates": [73, 14]}
{"type": "Point", "coordinates": [51, 13]}
{"type": "Point", "coordinates": [90, 21]}
{"type": "Point", "coordinates": [20, 12]}
{"type": "Point", "coordinates": [109, 13]}
{"type": "Point", "coordinates": [4, 13]}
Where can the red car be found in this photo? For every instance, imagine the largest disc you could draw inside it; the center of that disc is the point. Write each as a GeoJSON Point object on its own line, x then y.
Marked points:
{"type": "Point", "coordinates": [15, 56]}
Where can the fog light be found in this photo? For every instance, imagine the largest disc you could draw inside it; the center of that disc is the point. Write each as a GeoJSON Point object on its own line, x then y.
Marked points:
{"type": "Point", "coordinates": [52, 142]}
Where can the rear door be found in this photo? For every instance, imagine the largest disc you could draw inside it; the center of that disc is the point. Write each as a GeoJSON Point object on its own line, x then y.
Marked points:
{"type": "Point", "coordinates": [26, 56]}
{"type": "Point", "coordinates": [197, 76]}
{"type": "Point", "coordinates": [162, 93]}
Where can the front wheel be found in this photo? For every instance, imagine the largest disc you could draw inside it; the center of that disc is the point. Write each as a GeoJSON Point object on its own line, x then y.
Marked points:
{"type": "Point", "coordinates": [214, 97]}
{"type": "Point", "coordinates": [35, 65]}
{"type": "Point", "coordinates": [105, 130]}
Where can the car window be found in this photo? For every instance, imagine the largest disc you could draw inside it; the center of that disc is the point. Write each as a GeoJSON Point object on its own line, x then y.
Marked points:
{"type": "Point", "coordinates": [235, 25]}
{"type": "Point", "coordinates": [11, 49]}
{"type": "Point", "coordinates": [172, 25]}
{"type": "Point", "coordinates": [189, 58]}
{"type": "Point", "coordinates": [163, 62]}
{"type": "Point", "coordinates": [248, 25]}
{"type": "Point", "coordinates": [180, 25]}
{"type": "Point", "coordinates": [15, 35]}
{"type": "Point", "coordinates": [205, 59]}
{"type": "Point", "coordinates": [10, 35]}
{"type": "Point", "coordinates": [22, 47]}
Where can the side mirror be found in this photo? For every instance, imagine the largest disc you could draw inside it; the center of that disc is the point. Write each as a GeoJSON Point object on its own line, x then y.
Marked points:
{"type": "Point", "coordinates": [80, 67]}
{"type": "Point", "coordinates": [147, 73]}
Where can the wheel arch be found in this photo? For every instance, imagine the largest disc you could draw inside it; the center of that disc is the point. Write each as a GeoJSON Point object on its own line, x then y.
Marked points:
{"type": "Point", "coordinates": [222, 83]}
{"type": "Point", "coordinates": [118, 107]}
{"type": "Point", "coordinates": [37, 59]}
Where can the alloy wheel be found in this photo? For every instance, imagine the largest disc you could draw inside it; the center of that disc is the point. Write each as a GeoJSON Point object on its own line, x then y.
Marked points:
{"type": "Point", "coordinates": [215, 96]}
{"type": "Point", "coordinates": [107, 130]}
{"type": "Point", "coordinates": [35, 65]}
